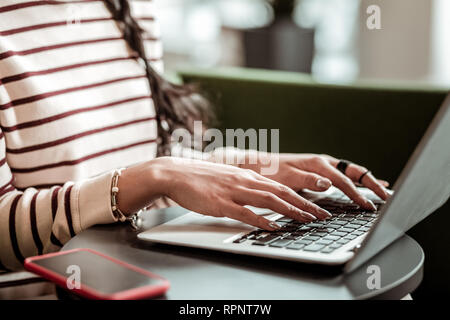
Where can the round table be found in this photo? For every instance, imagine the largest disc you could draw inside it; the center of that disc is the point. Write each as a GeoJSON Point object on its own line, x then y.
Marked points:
{"type": "Point", "coordinates": [204, 274]}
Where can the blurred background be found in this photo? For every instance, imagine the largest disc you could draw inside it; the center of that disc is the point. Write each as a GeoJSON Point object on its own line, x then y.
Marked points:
{"type": "Point", "coordinates": [327, 38]}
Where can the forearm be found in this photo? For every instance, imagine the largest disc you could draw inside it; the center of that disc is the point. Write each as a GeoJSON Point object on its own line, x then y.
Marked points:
{"type": "Point", "coordinates": [39, 221]}
{"type": "Point", "coordinates": [145, 184]}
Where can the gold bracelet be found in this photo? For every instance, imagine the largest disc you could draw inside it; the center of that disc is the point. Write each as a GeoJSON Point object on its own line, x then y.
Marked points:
{"type": "Point", "coordinates": [114, 191]}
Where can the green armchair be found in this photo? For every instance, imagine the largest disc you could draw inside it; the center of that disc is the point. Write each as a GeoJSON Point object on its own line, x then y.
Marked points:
{"type": "Point", "coordinates": [375, 124]}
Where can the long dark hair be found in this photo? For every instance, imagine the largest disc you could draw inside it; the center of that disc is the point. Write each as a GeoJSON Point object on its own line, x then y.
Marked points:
{"type": "Point", "coordinates": [177, 106]}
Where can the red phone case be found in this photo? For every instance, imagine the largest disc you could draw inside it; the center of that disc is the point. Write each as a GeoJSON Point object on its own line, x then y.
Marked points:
{"type": "Point", "coordinates": [91, 293]}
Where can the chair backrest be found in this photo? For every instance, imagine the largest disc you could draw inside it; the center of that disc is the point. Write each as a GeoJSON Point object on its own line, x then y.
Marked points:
{"type": "Point", "coordinates": [375, 125]}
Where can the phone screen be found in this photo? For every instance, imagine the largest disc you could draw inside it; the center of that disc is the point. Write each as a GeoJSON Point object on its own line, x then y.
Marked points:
{"type": "Point", "coordinates": [96, 272]}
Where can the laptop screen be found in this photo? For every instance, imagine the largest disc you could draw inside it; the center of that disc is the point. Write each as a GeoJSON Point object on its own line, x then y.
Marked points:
{"type": "Point", "coordinates": [423, 186]}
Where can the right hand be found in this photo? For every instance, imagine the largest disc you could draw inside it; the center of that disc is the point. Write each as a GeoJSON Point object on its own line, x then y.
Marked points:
{"type": "Point", "coordinates": [221, 190]}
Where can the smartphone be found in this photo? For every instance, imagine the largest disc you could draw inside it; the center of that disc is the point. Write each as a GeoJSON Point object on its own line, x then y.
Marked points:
{"type": "Point", "coordinates": [93, 275]}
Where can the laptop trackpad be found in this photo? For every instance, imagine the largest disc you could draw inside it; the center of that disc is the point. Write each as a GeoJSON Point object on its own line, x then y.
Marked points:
{"type": "Point", "coordinates": [193, 222]}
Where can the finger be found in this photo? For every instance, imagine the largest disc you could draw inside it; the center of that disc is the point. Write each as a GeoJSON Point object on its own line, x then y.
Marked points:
{"type": "Point", "coordinates": [370, 182]}
{"type": "Point", "coordinates": [359, 172]}
{"type": "Point", "coordinates": [345, 184]}
{"type": "Point", "coordinates": [355, 172]}
{"type": "Point", "coordinates": [290, 196]}
{"type": "Point", "coordinates": [240, 213]}
{"type": "Point", "coordinates": [268, 200]}
{"type": "Point", "coordinates": [312, 181]}
{"type": "Point", "coordinates": [384, 183]}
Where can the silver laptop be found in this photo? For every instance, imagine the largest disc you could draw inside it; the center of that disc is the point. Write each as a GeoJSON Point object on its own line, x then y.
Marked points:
{"type": "Point", "coordinates": [352, 235]}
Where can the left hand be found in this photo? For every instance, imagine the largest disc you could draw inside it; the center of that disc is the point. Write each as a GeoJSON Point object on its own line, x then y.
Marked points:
{"type": "Point", "coordinates": [318, 173]}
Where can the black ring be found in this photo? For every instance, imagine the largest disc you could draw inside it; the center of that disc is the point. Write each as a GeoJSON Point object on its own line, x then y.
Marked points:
{"type": "Point", "coordinates": [342, 165]}
{"type": "Point", "coordinates": [362, 176]}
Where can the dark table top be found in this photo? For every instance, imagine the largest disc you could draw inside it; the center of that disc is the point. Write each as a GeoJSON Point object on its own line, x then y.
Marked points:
{"type": "Point", "coordinates": [204, 274]}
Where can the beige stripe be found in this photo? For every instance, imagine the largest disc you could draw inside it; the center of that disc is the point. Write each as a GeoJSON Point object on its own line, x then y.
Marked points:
{"type": "Point", "coordinates": [153, 49]}
{"type": "Point", "coordinates": [158, 66]}
{"type": "Point", "coordinates": [151, 27]}
{"type": "Point", "coordinates": [5, 173]}
{"type": "Point", "coordinates": [140, 8]}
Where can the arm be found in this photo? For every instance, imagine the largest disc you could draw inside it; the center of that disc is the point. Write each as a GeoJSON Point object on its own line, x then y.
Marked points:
{"type": "Point", "coordinates": [38, 221]}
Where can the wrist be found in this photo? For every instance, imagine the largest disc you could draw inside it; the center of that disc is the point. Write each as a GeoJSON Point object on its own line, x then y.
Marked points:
{"type": "Point", "coordinates": [157, 176]}
{"type": "Point", "coordinates": [139, 186]}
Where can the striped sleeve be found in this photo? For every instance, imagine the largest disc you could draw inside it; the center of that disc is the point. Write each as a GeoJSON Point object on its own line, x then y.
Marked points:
{"type": "Point", "coordinates": [34, 222]}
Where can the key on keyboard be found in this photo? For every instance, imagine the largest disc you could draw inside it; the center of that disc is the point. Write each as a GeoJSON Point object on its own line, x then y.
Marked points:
{"type": "Point", "coordinates": [348, 221]}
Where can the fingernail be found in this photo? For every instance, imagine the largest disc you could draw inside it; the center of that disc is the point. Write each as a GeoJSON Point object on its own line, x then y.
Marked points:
{"type": "Point", "coordinates": [274, 225]}
{"type": "Point", "coordinates": [326, 213]}
{"type": "Point", "coordinates": [308, 216]}
{"type": "Point", "coordinates": [322, 184]}
{"type": "Point", "coordinates": [370, 203]}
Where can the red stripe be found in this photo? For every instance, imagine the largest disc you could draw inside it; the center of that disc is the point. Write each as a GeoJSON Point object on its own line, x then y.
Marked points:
{"type": "Point", "coordinates": [45, 185]}
{"type": "Point", "coordinates": [55, 202]}
{"type": "Point", "coordinates": [25, 75]}
{"type": "Point", "coordinates": [3, 187]}
{"type": "Point", "coordinates": [68, 210]}
{"type": "Point", "coordinates": [38, 97]}
{"type": "Point", "coordinates": [49, 25]}
{"type": "Point", "coordinates": [53, 238]}
{"type": "Point", "coordinates": [10, 53]}
{"type": "Point", "coordinates": [146, 18]}
{"type": "Point", "coordinates": [35, 123]}
{"type": "Point", "coordinates": [12, 229]}
{"type": "Point", "coordinates": [77, 161]}
{"type": "Point", "coordinates": [5, 191]}
{"type": "Point", "coordinates": [39, 3]}
{"type": "Point", "coordinates": [2, 162]}
{"type": "Point", "coordinates": [150, 38]}
{"type": "Point", "coordinates": [33, 224]}
{"type": "Point", "coordinates": [154, 59]}
{"type": "Point", "coordinates": [41, 186]}
{"type": "Point", "coordinates": [75, 136]}
{"type": "Point", "coordinates": [61, 23]}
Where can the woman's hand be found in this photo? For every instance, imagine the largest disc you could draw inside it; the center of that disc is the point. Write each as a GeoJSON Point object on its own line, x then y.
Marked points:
{"type": "Point", "coordinates": [213, 189]}
{"type": "Point", "coordinates": [318, 173]}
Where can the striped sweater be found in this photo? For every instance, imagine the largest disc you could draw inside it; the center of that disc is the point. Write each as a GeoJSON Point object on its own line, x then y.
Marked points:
{"type": "Point", "coordinates": [74, 105]}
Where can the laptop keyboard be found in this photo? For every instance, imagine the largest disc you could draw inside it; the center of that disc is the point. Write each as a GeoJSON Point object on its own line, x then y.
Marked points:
{"type": "Point", "coordinates": [348, 221]}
